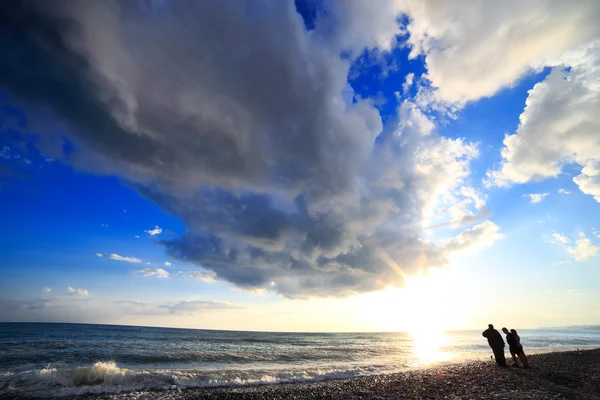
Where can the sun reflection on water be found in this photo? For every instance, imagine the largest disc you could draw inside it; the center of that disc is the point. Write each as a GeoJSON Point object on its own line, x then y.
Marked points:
{"type": "Point", "coordinates": [428, 346]}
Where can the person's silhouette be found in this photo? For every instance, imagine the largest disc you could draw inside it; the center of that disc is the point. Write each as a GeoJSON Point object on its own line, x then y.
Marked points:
{"type": "Point", "coordinates": [497, 344]}
{"type": "Point", "coordinates": [515, 347]}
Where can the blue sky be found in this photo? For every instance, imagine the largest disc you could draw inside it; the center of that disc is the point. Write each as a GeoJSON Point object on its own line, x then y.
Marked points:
{"type": "Point", "coordinates": [301, 166]}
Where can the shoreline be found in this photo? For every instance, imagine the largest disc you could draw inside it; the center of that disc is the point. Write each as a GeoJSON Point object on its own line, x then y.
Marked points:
{"type": "Point", "coordinates": [557, 375]}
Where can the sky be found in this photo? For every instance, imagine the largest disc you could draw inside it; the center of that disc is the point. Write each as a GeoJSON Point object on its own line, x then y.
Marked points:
{"type": "Point", "coordinates": [308, 165]}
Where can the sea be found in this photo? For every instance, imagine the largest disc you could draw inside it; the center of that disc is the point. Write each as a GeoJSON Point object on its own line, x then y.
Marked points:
{"type": "Point", "coordinates": [58, 360]}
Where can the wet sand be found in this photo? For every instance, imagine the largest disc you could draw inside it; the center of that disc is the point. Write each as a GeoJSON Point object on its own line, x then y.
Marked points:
{"type": "Point", "coordinates": [566, 375]}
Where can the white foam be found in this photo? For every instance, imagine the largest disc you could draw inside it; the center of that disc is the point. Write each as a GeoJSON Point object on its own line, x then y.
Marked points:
{"type": "Point", "coordinates": [107, 377]}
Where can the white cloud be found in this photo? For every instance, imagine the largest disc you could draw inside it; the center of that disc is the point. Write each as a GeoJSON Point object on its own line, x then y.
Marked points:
{"type": "Point", "coordinates": [478, 199]}
{"type": "Point", "coordinates": [359, 24]}
{"type": "Point", "coordinates": [168, 264]}
{"type": "Point", "coordinates": [156, 231]}
{"type": "Point", "coordinates": [589, 179]}
{"type": "Point", "coordinates": [141, 303]}
{"type": "Point", "coordinates": [408, 83]}
{"type": "Point", "coordinates": [47, 289]}
{"type": "Point", "coordinates": [558, 127]}
{"type": "Point", "coordinates": [563, 191]}
{"type": "Point", "coordinates": [157, 272]}
{"type": "Point", "coordinates": [5, 153]}
{"type": "Point", "coordinates": [556, 237]}
{"type": "Point", "coordinates": [562, 262]}
{"type": "Point", "coordinates": [137, 236]}
{"type": "Point", "coordinates": [584, 249]}
{"type": "Point", "coordinates": [208, 277]}
{"type": "Point", "coordinates": [76, 292]}
{"type": "Point", "coordinates": [536, 197]}
{"type": "Point", "coordinates": [411, 117]}
{"type": "Point", "coordinates": [474, 48]}
{"type": "Point", "coordinates": [444, 164]}
{"type": "Point", "coordinates": [117, 257]}
{"type": "Point", "coordinates": [474, 238]}
{"type": "Point", "coordinates": [198, 306]}
{"type": "Point", "coordinates": [466, 206]}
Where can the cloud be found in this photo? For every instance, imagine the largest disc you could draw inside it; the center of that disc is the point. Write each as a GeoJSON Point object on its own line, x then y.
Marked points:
{"type": "Point", "coordinates": [477, 237]}
{"type": "Point", "coordinates": [408, 82]}
{"type": "Point", "coordinates": [558, 127]}
{"type": "Point", "coordinates": [12, 306]}
{"type": "Point", "coordinates": [18, 306]}
{"type": "Point", "coordinates": [198, 306]}
{"type": "Point", "coordinates": [157, 272]}
{"type": "Point", "coordinates": [208, 277]}
{"type": "Point", "coordinates": [140, 303]}
{"type": "Point", "coordinates": [556, 237]}
{"type": "Point", "coordinates": [137, 236]}
{"type": "Point", "coordinates": [583, 249]}
{"type": "Point", "coordinates": [277, 169]}
{"type": "Point", "coordinates": [126, 259]}
{"type": "Point", "coordinates": [563, 191]}
{"type": "Point", "coordinates": [47, 289]}
{"type": "Point", "coordinates": [138, 307]}
{"type": "Point", "coordinates": [117, 257]}
{"type": "Point", "coordinates": [156, 231]}
{"type": "Point", "coordinates": [37, 304]}
{"type": "Point", "coordinates": [355, 25]}
{"type": "Point", "coordinates": [474, 48]}
{"type": "Point", "coordinates": [535, 198]}
{"type": "Point", "coordinates": [168, 264]}
{"type": "Point", "coordinates": [562, 262]}
{"type": "Point", "coordinates": [589, 179]}
{"type": "Point", "coordinates": [76, 292]}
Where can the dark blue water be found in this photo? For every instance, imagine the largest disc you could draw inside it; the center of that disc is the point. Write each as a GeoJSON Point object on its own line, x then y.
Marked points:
{"type": "Point", "coordinates": [67, 359]}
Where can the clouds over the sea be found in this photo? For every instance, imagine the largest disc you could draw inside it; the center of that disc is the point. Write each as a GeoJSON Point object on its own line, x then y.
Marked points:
{"type": "Point", "coordinates": [242, 123]}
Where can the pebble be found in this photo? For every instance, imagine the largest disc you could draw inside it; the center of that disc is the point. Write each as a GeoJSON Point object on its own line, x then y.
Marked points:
{"type": "Point", "coordinates": [554, 376]}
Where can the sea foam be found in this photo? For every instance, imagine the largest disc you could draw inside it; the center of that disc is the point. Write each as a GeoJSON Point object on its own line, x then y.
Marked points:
{"type": "Point", "coordinates": [107, 377]}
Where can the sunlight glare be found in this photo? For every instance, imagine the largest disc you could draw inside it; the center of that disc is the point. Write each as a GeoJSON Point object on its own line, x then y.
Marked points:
{"type": "Point", "coordinates": [427, 305]}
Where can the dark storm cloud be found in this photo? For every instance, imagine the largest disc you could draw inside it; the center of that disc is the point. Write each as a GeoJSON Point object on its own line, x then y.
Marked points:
{"type": "Point", "coordinates": [218, 98]}
{"type": "Point", "coordinates": [235, 118]}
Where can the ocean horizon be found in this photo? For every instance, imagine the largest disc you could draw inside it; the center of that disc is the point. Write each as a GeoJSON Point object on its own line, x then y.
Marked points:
{"type": "Point", "coordinates": [65, 359]}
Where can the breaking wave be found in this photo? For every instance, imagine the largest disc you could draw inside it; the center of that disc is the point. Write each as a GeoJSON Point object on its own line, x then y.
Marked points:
{"type": "Point", "coordinates": [107, 377]}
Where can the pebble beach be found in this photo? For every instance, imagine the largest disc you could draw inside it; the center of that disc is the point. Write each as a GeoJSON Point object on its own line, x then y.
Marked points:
{"type": "Point", "coordinates": [564, 375]}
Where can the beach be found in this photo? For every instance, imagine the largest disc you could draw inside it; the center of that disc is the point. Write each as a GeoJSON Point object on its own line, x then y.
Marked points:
{"type": "Point", "coordinates": [74, 361]}
{"type": "Point", "coordinates": [564, 375]}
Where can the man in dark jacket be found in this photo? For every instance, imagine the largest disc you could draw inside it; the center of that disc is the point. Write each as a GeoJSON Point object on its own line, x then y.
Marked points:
{"type": "Point", "coordinates": [496, 342]}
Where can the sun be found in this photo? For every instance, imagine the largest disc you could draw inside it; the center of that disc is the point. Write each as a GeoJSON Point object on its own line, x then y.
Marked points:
{"type": "Point", "coordinates": [425, 303]}
{"type": "Point", "coordinates": [425, 307]}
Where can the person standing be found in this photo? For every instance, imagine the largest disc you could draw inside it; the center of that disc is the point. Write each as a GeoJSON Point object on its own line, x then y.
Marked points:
{"type": "Point", "coordinates": [497, 344]}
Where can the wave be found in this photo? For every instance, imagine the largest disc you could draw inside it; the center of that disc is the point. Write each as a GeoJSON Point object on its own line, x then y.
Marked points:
{"type": "Point", "coordinates": [107, 377]}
